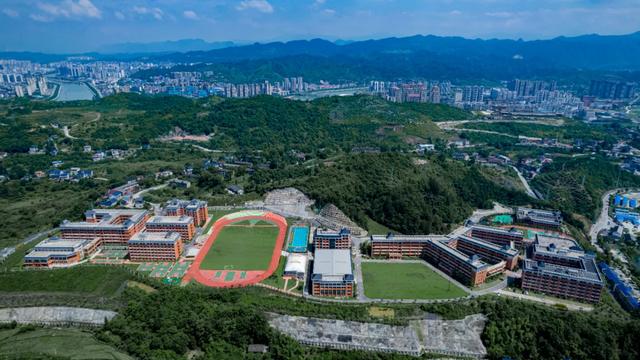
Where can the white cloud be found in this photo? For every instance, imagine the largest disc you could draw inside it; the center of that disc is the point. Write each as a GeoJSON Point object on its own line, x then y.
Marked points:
{"type": "Point", "coordinates": [10, 13]}
{"type": "Point", "coordinates": [40, 18]}
{"type": "Point", "coordinates": [455, 12]}
{"type": "Point", "coordinates": [319, 2]}
{"type": "Point", "coordinates": [67, 9]}
{"type": "Point", "coordinates": [119, 15]}
{"type": "Point", "coordinates": [155, 12]}
{"type": "Point", "coordinates": [260, 5]}
{"type": "Point", "coordinates": [190, 14]}
{"type": "Point", "coordinates": [329, 11]}
{"type": "Point", "coordinates": [500, 14]}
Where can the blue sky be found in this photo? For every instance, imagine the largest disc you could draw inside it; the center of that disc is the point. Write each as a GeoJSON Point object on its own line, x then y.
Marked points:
{"type": "Point", "coordinates": [85, 25]}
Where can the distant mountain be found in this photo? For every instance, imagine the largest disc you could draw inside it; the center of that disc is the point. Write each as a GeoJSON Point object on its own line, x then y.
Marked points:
{"type": "Point", "coordinates": [184, 45]}
{"type": "Point", "coordinates": [593, 52]}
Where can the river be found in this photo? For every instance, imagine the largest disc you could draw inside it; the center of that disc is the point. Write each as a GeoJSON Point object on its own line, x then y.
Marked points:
{"type": "Point", "coordinates": [74, 91]}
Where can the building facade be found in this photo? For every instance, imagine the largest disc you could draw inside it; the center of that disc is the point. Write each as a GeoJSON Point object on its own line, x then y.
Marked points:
{"type": "Point", "coordinates": [543, 219]}
{"type": "Point", "coordinates": [155, 246]}
{"type": "Point", "coordinates": [498, 236]}
{"type": "Point", "coordinates": [113, 226]}
{"type": "Point", "coordinates": [197, 209]}
{"type": "Point", "coordinates": [56, 252]}
{"type": "Point", "coordinates": [329, 239]}
{"type": "Point", "coordinates": [180, 224]}
{"type": "Point", "coordinates": [584, 284]}
{"type": "Point", "coordinates": [332, 273]}
{"type": "Point", "coordinates": [488, 252]}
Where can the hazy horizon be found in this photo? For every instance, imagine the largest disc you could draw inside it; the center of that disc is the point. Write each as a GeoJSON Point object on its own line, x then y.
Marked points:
{"type": "Point", "coordinates": [74, 26]}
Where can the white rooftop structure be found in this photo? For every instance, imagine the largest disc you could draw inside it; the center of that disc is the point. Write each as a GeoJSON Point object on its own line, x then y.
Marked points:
{"type": "Point", "coordinates": [332, 264]}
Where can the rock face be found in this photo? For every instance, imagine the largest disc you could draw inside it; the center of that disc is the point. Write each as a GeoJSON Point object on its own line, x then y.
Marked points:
{"type": "Point", "coordinates": [56, 315]}
{"type": "Point", "coordinates": [433, 336]}
{"type": "Point", "coordinates": [332, 217]}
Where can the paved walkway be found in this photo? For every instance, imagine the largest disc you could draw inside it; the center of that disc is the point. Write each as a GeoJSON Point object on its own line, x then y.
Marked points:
{"type": "Point", "coordinates": [525, 183]}
{"type": "Point", "coordinates": [547, 301]}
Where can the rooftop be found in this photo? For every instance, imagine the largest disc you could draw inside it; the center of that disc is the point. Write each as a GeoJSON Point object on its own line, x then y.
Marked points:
{"type": "Point", "coordinates": [589, 273]}
{"type": "Point", "coordinates": [511, 231]}
{"type": "Point", "coordinates": [487, 245]}
{"type": "Point", "coordinates": [107, 218]}
{"type": "Point", "coordinates": [144, 237]}
{"type": "Point", "coordinates": [332, 264]}
{"type": "Point", "coordinates": [183, 220]}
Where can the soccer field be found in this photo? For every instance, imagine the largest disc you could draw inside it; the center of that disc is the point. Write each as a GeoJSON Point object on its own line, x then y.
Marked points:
{"type": "Point", "coordinates": [406, 281]}
{"type": "Point", "coordinates": [241, 248]}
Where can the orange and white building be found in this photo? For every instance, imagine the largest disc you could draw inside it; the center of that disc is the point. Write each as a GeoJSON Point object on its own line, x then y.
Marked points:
{"type": "Point", "coordinates": [197, 209]}
{"type": "Point", "coordinates": [180, 224]}
{"type": "Point", "coordinates": [56, 252]}
{"type": "Point", "coordinates": [113, 226]}
{"type": "Point", "coordinates": [155, 246]}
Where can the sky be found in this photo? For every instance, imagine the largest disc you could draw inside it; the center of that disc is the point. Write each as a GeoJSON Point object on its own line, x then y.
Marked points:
{"type": "Point", "coordinates": [66, 26]}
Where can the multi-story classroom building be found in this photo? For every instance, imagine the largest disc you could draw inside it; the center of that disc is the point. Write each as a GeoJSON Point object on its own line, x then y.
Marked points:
{"type": "Point", "coordinates": [399, 246]}
{"type": "Point", "coordinates": [558, 266]}
{"type": "Point", "coordinates": [583, 284]}
{"type": "Point", "coordinates": [155, 246]}
{"type": "Point", "coordinates": [439, 251]}
{"type": "Point", "coordinates": [539, 218]}
{"type": "Point", "coordinates": [180, 224]}
{"type": "Point", "coordinates": [329, 239]}
{"type": "Point", "coordinates": [332, 273]}
{"type": "Point", "coordinates": [113, 226]}
{"type": "Point", "coordinates": [487, 251]}
{"type": "Point", "coordinates": [197, 209]}
{"type": "Point", "coordinates": [56, 252]}
{"type": "Point", "coordinates": [498, 236]}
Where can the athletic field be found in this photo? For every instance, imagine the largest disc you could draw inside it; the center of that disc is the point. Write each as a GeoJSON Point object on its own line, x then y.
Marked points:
{"type": "Point", "coordinates": [406, 281]}
{"type": "Point", "coordinates": [242, 246]}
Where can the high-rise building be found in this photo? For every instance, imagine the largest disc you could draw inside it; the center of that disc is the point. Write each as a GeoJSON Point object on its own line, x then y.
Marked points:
{"type": "Point", "coordinates": [435, 94]}
{"type": "Point", "coordinates": [607, 89]}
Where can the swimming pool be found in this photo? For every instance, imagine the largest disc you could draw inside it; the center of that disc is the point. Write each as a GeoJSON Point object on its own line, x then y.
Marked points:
{"type": "Point", "coordinates": [299, 236]}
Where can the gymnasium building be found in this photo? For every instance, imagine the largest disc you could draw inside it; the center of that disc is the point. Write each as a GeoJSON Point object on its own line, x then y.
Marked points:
{"type": "Point", "coordinates": [332, 273]}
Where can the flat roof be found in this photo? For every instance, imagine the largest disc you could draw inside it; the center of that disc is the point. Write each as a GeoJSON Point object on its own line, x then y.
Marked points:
{"type": "Point", "coordinates": [144, 237]}
{"type": "Point", "coordinates": [557, 241]}
{"type": "Point", "coordinates": [107, 216]}
{"type": "Point", "coordinates": [332, 264]}
{"type": "Point", "coordinates": [511, 231]}
{"type": "Point", "coordinates": [487, 245]}
{"type": "Point", "coordinates": [408, 238]}
{"type": "Point", "coordinates": [182, 220]}
{"type": "Point", "coordinates": [589, 273]}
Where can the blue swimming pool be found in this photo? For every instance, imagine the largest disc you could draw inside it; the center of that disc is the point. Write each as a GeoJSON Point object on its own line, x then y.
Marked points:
{"type": "Point", "coordinates": [299, 236]}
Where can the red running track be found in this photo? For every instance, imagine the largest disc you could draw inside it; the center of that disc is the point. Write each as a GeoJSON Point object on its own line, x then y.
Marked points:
{"type": "Point", "coordinates": [206, 277]}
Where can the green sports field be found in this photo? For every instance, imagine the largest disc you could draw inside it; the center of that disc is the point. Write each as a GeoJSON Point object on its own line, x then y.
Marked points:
{"type": "Point", "coordinates": [406, 281]}
{"type": "Point", "coordinates": [241, 248]}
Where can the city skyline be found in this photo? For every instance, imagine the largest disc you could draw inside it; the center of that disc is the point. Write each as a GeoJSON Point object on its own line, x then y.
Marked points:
{"type": "Point", "coordinates": [88, 25]}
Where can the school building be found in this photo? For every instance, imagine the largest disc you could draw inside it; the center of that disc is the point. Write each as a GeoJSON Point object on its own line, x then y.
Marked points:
{"type": "Point", "coordinates": [155, 246]}
{"type": "Point", "coordinates": [197, 209]}
{"type": "Point", "coordinates": [329, 239]}
{"type": "Point", "coordinates": [180, 224]}
{"type": "Point", "coordinates": [57, 252]}
{"type": "Point", "coordinates": [113, 226]}
{"type": "Point", "coordinates": [332, 273]}
{"type": "Point", "coordinates": [498, 236]}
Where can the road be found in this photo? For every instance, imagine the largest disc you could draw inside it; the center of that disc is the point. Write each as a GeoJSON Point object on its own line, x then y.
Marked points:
{"type": "Point", "coordinates": [525, 183]}
{"type": "Point", "coordinates": [65, 130]}
{"type": "Point", "coordinates": [544, 300]}
{"type": "Point", "coordinates": [604, 220]}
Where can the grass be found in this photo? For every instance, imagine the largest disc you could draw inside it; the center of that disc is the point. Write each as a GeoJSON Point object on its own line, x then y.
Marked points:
{"type": "Point", "coordinates": [276, 279]}
{"type": "Point", "coordinates": [21, 343]}
{"type": "Point", "coordinates": [95, 280]}
{"type": "Point", "coordinates": [241, 248]}
{"type": "Point", "coordinates": [377, 228]}
{"type": "Point", "coordinates": [406, 281]}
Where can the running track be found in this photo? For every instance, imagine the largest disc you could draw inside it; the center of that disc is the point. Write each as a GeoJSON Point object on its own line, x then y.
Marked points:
{"type": "Point", "coordinates": [205, 277]}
